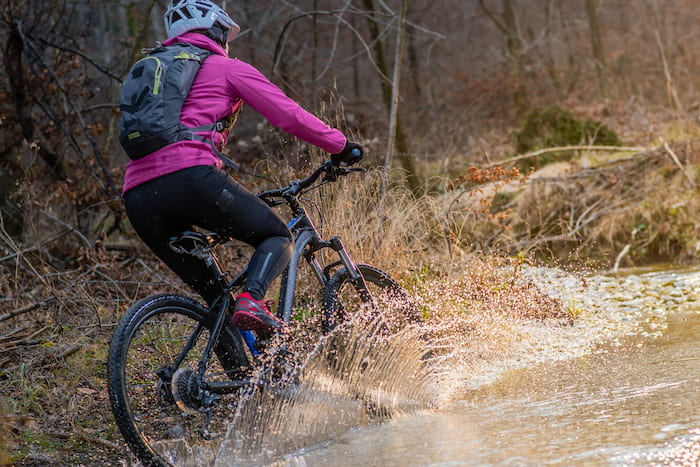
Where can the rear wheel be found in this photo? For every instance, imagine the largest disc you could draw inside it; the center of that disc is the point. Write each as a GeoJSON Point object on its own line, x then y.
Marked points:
{"type": "Point", "coordinates": [153, 379]}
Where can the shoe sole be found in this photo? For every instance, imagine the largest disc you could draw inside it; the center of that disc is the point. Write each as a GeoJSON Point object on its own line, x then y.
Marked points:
{"type": "Point", "coordinates": [251, 322]}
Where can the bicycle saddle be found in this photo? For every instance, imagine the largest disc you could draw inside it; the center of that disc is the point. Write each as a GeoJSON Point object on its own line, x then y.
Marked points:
{"type": "Point", "coordinates": [189, 242]}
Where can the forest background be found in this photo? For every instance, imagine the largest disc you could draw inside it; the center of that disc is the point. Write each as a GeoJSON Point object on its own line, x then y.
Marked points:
{"type": "Point", "coordinates": [558, 131]}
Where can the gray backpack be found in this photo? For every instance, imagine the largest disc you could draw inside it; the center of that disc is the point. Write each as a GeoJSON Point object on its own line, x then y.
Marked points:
{"type": "Point", "coordinates": [151, 101]}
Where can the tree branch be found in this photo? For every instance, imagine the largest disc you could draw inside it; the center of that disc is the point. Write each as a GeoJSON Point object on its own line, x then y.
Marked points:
{"type": "Point", "coordinates": [69, 102]}
{"type": "Point", "coordinates": [84, 56]}
{"type": "Point", "coordinates": [564, 148]}
{"type": "Point", "coordinates": [26, 309]}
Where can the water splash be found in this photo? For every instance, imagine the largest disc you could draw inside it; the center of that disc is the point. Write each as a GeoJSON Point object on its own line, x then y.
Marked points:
{"type": "Point", "coordinates": [360, 376]}
{"type": "Point", "coordinates": [683, 451]}
{"type": "Point", "coordinates": [356, 376]}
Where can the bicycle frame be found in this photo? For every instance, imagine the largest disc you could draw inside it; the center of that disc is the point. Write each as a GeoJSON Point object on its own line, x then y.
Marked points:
{"type": "Point", "coordinates": [190, 382]}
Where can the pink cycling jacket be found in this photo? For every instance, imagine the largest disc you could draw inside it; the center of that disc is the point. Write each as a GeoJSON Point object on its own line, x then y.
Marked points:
{"type": "Point", "coordinates": [220, 87]}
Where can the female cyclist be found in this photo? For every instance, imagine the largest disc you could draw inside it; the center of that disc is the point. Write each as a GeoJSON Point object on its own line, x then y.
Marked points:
{"type": "Point", "coordinates": [182, 185]}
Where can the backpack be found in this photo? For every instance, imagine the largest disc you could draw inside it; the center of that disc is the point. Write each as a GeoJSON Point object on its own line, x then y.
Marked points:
{"type": "Point", "coordinates": [151, 101]}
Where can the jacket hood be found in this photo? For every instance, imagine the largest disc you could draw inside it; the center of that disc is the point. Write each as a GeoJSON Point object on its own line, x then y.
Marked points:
{"type": "Point", "coordinates": [198, 40]}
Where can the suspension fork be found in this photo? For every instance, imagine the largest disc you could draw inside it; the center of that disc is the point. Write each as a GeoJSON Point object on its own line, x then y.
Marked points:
{"type": "Point", "coordinates": [360, 285]}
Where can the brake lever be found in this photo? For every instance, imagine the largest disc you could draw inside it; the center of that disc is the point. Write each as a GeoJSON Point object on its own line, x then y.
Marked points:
{"type": "Point", "coordinates": [332, 175]}
{"type": "Point", "coordinates": [272, 202]}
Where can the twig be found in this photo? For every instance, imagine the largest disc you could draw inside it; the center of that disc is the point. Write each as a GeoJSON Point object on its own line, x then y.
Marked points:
{"type": "Point", "coordinates": [85, 57]}
{"type": "Point", "coordinates": [678, 162]}
{"type": "Point", "coordinates": [68, 352]}
{"type": "Point", "coordinates": [25, 341]}
{"type": "Point", "coordinates": [10, 335]}
{"type": "Point", "coordinates": [624, 251]}
{"type": "Point", "coordinates": [68, 226]}
{"type": "Point", "coordinates": [25, 309]}
{"type": "Point", "coordinates": [36, 247]}
{"type": "Point", "coordinates": [670, 87]}
{"type": "Point", "coordinates": [336, 13]}
{"type": "Point", "coordinates": [84, 437]}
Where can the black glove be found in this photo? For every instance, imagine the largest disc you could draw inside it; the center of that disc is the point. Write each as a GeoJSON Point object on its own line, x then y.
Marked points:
{"type": "Point", "coordinates": [351, 154]}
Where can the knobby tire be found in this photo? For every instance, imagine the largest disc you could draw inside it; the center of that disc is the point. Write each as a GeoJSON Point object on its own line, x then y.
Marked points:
{"type": "Point", "coordinates": [342, 297]}
{"type": "Point", "coordinates": [153, 332]}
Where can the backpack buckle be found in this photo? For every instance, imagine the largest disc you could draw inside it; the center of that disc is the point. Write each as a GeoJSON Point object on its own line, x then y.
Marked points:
{"type": "Point", "coordinates": [219, 126]}
{"type": "Point", "coordinates": [188, 135]}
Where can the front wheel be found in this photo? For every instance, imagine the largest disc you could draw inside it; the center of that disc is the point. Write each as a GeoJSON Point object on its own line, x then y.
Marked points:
{"type": "Point", "coordinates": [153, 356]}
{"type": "Point", "coordinates": [383, 296]}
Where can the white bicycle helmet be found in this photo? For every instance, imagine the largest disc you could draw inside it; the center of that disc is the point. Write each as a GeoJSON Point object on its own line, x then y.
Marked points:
{"type": "Point", "coordinates": [186, 15]}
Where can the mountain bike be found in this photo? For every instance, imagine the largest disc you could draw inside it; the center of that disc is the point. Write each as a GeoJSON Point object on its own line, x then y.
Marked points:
{"type": "Point", "coordinates": [176, 367]}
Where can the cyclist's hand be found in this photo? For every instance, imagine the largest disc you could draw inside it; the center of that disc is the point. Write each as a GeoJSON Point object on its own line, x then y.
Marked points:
{"type": "Point", "coordinates": [351, 154]}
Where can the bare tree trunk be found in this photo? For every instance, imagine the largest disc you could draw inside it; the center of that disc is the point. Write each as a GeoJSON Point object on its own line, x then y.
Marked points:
{"type": "Point", "coordinates": [597, 43]}
{"type": "Point", "coordinates": [549, 59]}
{"type": "Point", "coordinates": [514, 47]}
{"type": "Point", "coordinates": [14, 52]}
{"type": "Point", "coordinates": [394, 108]}
{"type": "Point", "coordinates": [414, 67]}
{"type": "Point", "coordinates": [407, 163]}
{"type": "Point", "coordinates": [314, 41]}
{"type": "Point", "coordinates": [355, 65]}
{"type": "Point", "coordinates": [508, 25]}
{"type": "Point", "coordinates": [671, 92]}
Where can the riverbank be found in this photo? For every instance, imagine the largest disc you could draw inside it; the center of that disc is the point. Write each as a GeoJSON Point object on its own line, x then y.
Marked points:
{"type": "Point", "coordinates": [608, 309]}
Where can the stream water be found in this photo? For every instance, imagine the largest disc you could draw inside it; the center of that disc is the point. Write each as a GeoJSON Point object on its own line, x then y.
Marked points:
{"type": "Point", "coordinates": [618, 387]}
{"type": "Point", "coordinates": [632, 399]}
{"type": "Point", "coordinates": [637, 403]}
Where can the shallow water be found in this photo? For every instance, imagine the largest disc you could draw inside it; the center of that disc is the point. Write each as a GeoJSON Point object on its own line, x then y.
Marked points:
{"type": "Point", "coordinates": [633, 400]}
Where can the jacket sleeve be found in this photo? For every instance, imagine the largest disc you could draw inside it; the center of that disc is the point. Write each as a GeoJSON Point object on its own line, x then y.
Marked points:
{"type": "Point", "coordinates": [280, 110]}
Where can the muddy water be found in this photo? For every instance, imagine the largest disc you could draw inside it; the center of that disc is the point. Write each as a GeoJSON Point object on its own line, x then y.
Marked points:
{"type": "Point", "coordinates": [623, 389]}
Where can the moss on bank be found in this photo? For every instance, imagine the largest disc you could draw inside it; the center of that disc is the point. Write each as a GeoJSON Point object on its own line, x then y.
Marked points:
{"type": "Point", "coordinates": [553, 126]}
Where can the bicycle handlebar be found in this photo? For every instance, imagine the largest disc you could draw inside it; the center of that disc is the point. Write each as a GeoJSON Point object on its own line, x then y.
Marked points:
{"type": "Point", "coordinates": [331, 171]}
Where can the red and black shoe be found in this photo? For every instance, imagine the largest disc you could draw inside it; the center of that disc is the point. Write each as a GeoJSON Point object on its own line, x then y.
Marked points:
{"type": "Point", "coordinates": [254, 315]}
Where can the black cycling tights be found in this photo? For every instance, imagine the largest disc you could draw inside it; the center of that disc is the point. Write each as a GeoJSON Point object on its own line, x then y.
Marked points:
{"type": "Point", "coordinates": [206, 197]}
